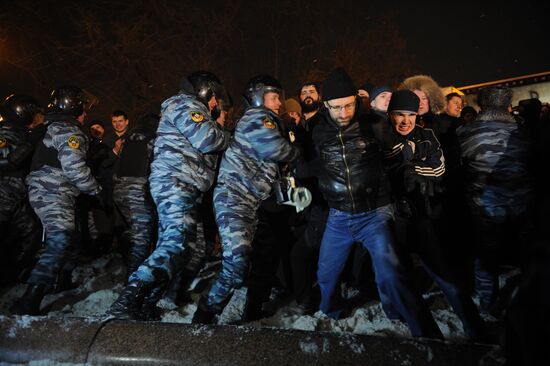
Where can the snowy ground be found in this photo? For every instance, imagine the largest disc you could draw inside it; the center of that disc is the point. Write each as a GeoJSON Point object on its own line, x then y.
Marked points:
{"type": "Point", "coordinates": [100, 281]}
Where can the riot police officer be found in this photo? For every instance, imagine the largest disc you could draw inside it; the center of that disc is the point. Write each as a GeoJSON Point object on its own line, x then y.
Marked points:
{"type": "Point", "coordinates": [183, 168]}
{"type": "Point", "coordinates": [58, 174]}
{"type": "Point", "coordinates": [247, 171]}
{"type": "Point", "coordinates": [18, 225]}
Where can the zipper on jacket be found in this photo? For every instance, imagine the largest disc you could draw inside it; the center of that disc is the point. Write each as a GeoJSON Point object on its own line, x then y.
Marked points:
{"type": "Point", "coordinates": [347, 170]}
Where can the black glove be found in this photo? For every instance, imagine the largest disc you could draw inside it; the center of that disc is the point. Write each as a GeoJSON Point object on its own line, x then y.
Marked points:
{"type": "Point", "coordinates": [137, 136]}
{"type": "Point", "coordinates": [413, 181]}
{"type": "Point", "coordinates": [403, 208]}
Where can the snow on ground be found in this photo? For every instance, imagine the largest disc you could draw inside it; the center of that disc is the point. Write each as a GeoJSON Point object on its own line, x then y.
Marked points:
{"type": "Point", "coordinates": [100, 281]}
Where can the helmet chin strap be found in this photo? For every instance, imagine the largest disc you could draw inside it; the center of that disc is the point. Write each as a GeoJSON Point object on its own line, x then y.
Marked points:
{"type": "Point", "coordinates": [215, 112]}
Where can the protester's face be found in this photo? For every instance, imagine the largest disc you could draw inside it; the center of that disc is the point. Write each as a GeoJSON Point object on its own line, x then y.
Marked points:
{"type": "Point", "coordinates": [403, 122]}
{"type": "Point", "coordinates": [272, 101]}
{"type": "Point", "coordinates": [120, 124]}
{"type": "Point", "coordinates": [424, 102]}
{"type": "Point", "coordinates": [381, 102]}
{"type": "Point", "coordinates": [342, 110]}
{"type": "Point", "coordinates": [309, 95]}
{"type": "Point", "coordinates": [97, 131]}
{"type": "Point", "coordinates": [454, 106]}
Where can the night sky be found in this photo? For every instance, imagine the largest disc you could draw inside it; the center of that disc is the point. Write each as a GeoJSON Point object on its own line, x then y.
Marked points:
{"type": "Point", "coordinates": [457, 43]}
{"type": "Point", "coordinates": [462, 43]}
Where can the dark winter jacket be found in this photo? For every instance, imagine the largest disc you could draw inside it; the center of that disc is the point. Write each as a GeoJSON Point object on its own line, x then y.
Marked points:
{"type": "Point", "coordinates": [496, 154]}
{"type": "Point", "coordinates": [137, 152]}
{"type": "Point", "coordinates": [351, 175]}
{"type": "Point", "coordinates": [418, 153]}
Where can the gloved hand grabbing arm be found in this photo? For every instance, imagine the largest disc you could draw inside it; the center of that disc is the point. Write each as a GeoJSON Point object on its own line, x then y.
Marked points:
{"type": "Point", "coordinates": [415, 181]}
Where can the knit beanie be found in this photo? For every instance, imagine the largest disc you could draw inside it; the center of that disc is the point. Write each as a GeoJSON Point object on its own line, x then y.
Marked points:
{"type": "Point", "coordinates": [368, 87]}
{"type": "Point", "coordinates": [97, 122]}
{"type": "Point", "coordinates": [338, 84]}
{"type": "Point", "coordinates": [404, 101]}
{"type": "Point", "coordinates": [376, 91]}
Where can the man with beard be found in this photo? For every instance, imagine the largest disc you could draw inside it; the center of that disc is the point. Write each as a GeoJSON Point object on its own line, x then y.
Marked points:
{"type": "Point", "coordinates": [305, 251]}
{"type": "Point", "coordinates": [310, 99]}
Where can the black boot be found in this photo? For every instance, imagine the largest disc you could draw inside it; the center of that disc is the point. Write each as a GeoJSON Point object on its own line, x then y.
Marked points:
{"type": "Point", "coordinates": [253, 311]}
{"type": "Point", "coordinates": [204, 314]}
{"type": "Point", "coordinates": [182, 295]}
{"type": "Point", "coordinates": [255, 299]}
{"type": "Point", "coordinates": [29, 304]}
{"type": "Point", "coordinates": [65, 280]}
{"type": "Point", "coordinates": [128, 305]}
{"type": "Point", "coordinates": [149, 309]}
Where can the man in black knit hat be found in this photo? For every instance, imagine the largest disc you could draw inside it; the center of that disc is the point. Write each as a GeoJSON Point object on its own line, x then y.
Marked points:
{"type": "Point", "coordinates": [415, 166]}
{"type": "Point", "coordinates": [352, 180]}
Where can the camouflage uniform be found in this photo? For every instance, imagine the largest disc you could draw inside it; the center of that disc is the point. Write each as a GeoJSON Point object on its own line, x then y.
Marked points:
{"type": "Point", "coordinates": [53, 187]}
{"type": "Point", "coordinates": [183, 167]}
{"type": "Point", "coordinates": [247, 171]}
{"type": "Point", "coordinates": [132, 198]}
{"type": "Point", "coordinates": [16, 216]}
{"type": "Point", "coordinates": [495, 152]}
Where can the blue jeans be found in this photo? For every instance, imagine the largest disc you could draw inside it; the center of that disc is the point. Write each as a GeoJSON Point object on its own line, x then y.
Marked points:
{"type": "Point", "coordinates": [373, 230]}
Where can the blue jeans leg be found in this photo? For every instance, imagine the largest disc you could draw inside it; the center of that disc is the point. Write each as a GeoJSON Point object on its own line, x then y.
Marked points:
{"type": "Point", "coordinates": [335, 248]}
{"type": "Point", "coordinates": [373, 230]}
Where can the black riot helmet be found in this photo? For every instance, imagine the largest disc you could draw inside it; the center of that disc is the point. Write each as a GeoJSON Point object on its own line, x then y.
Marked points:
{"type": "Point", "coordinates": [258, 86]}
{"type": "Point", "coordinates": [203, 84]}
{"type": "Point", "coordinates": [19, 109]}
{"type": "Point", "coordinates": [69, 100]}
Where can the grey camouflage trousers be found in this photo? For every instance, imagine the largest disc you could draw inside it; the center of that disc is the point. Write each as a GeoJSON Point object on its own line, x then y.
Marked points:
{"type": "Point", "coordinates": [54, 204]}
{"type": "Point", "coordinates": [237, 218]}
{"type": "Point", "coordinates": [177, 207]}
{"type": "Point", "coordinates": [131, 195]}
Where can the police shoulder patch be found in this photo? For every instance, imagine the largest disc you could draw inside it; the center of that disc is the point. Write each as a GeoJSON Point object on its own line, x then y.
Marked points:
{"type": "Point", "coordinates": [197, 117]}
{"type": "Point", "coordinates": [3, 142]}
{"type": "Point", "coordinates": [73, 142]}
{"type": "Point", "coordinates": [269, 123]}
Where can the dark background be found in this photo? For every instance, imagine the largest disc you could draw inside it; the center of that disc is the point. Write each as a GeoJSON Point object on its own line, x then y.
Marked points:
{"type": "Point", "coordinates": [133, 54]}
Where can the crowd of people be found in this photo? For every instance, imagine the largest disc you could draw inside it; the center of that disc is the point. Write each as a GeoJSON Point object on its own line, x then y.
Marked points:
{"type": "Point", "coordinates": [339, 184]}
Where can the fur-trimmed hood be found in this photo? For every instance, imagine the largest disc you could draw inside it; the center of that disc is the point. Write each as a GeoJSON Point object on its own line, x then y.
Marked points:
{"type": "Point", "coordinates": [428, 86]}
